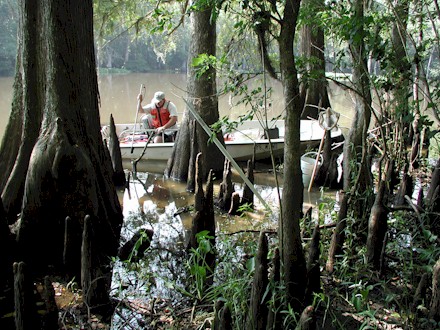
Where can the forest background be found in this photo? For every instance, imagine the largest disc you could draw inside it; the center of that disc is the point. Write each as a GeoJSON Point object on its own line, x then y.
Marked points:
{"type": "Point", "coordinates": [397, 45]}
{"type": "Point", "coordinates": [125, 43]}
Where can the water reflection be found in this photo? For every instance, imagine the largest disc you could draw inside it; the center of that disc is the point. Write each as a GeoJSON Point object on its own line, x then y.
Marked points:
{"type": "Point", "coordinates": [150, 204]}
{"type": "Point", "coordinates": [164, 206]}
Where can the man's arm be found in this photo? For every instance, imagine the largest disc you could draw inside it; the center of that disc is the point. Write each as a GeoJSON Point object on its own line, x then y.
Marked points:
{"type": "Point", "coordinates": [170, 123]}
{"type": "Point", "coordinates": [145, 109]}
{"type": "Point", "coordinates": [173, 117]}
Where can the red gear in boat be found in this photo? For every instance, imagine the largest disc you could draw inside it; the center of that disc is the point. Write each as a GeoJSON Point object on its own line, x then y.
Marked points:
{"type": "Point", "coordinates": [163, 118]}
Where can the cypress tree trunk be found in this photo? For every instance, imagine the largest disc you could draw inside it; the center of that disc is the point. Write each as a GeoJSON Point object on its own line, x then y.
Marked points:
{"type": "Point", "coordinates": [313, 89]}
{"type": "Point", "coordinates": [292, 255]}
{"type": "Point", "coordinates": [202, 97]}
{"type": "Point", "coordinates": [62, 167]}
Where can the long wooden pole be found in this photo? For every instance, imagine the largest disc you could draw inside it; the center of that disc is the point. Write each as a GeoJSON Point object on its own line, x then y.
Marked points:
{"type": "Point", "coordinates": [135, 118]}
{"type": "Point", "coordinates": [315, 166]}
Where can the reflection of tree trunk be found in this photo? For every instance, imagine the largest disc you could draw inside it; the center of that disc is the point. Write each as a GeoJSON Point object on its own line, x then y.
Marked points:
{"type": "Point", "coordinates": [202, 96]}
{"type": "Point", "coordinates": [313, 88]}
{"type": "Point", "coordinates": [69, 171]}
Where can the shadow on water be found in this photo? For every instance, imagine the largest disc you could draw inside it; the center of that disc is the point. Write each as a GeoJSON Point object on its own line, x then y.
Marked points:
{"type": "Point", "coordinates": [156, 283]}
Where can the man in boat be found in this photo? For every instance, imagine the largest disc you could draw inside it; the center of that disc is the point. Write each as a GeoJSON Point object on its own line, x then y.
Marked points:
{"type": "Point", "coordinates": [160, 115]}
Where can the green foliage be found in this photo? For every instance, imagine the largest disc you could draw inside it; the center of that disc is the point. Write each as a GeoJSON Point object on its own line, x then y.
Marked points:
{"type": "Point", "coordinates": [246, 207]}
{"type": "Point", "coordinates": [198, 268]}
{"type": "Point", "coordinates": [204, 64]}
{"type": "Point", "coordinates": [290, 317]}
{"type": "Point", "coordinates": [147, 32]}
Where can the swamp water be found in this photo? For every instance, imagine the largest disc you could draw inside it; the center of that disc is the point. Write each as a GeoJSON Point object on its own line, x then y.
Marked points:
{"type": "Point", "coordinates": [158, 283]}
{"type": "Point", "coordinates": [157, 203]}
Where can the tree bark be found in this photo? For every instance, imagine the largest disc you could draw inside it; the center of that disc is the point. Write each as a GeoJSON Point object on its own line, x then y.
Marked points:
{"type": "Point", "coordinates": [28, 94]}
{"type": "Point", "coordinates": [292, 255]}
{"type": "Point", "coordinates": [7, 251]}
{"type": "Point", "coordinates": [358, 177]}
{"type": "Point", "coordinates": [434, 308]}
{"type": "Point", "coordinates": [313, 268]}
{"type": "Point", "coordinates": [338, 235]}
{"type": "Point", "coordinates": [307, 321]}
{"type": "Point", "coordinates": [25, 310]}
{"type": "Point", "coordinates": [202, 97]}
{"type": "Point", "coordinates": [257, 316]}
{"type": "Point", "coordinates": [115, 156]}
{"type": "Point", "coordinates": [226, 187]}
{"type": "Point", "coordinates": [314, 86]}
{"type": "Point", "coordinates": [63, 167]}
{"type": "Point", "coordinates": [248, 195]}
{"type": "Point", "coordinates": [377, 227]}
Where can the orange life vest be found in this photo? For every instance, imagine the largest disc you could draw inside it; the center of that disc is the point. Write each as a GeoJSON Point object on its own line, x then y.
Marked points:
{"type": "Point", "coordinates": [162, 118]}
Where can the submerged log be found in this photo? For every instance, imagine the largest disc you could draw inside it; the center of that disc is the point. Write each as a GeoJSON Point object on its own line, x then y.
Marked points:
{"type": "Point", "coordinates": [134, 248]}
{"type": "Point", "coordinates": [258, 311]}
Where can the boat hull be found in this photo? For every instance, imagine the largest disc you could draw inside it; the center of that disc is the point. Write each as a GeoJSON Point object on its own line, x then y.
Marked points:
{"type": "Point", "coordinates": [242, 146]}
{"type": "Point", "coordinates": [238, 150]}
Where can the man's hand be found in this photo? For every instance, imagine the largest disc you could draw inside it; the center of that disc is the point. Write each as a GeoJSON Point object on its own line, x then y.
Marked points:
{"type": "Point", "coordinates": [160, 129]}
{"type": "Point", "coordinates": [139, 97]}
